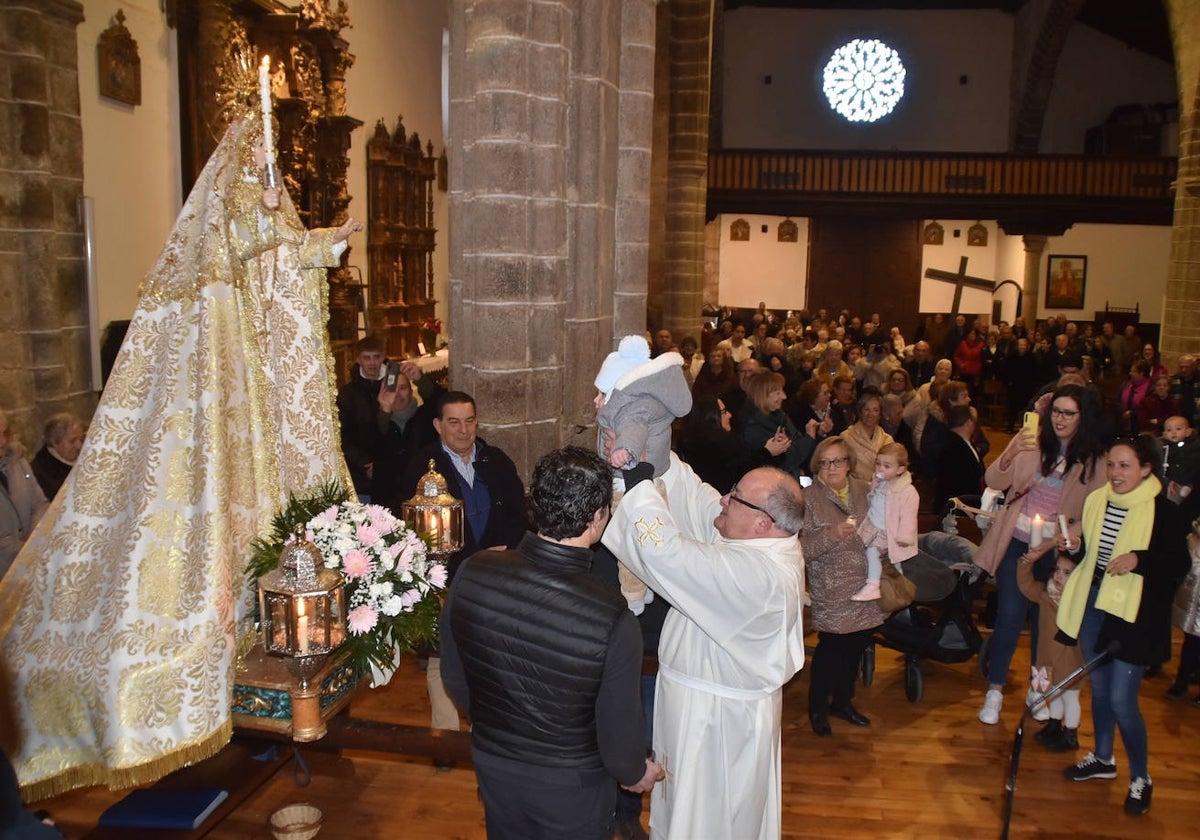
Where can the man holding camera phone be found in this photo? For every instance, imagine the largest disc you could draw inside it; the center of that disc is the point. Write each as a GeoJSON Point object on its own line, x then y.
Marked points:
{"type": "Point", "coordinates": [382, 422]}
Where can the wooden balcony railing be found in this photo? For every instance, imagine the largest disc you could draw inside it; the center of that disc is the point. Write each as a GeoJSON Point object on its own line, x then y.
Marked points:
{"type": "Point", "coordinates": [937, 174]}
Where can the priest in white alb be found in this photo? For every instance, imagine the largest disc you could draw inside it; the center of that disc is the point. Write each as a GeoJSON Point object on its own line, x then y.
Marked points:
{"type": "Point", "coordinates": [732, 569]}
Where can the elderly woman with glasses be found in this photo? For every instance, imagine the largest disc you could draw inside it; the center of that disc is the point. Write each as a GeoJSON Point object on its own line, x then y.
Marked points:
{"type": "Point", "coordinates": [1045, 478]}
{"type": "Point", "coordinates": [836, 563]}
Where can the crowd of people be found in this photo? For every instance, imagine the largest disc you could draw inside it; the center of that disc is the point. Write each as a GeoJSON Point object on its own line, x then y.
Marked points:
{"type": "Point", "coordinates": [768, 460]}
{"type": "Point", "coordinates": [1099, 428]}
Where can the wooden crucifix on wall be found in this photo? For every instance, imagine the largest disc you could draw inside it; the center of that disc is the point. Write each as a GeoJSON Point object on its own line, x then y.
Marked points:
{"type": "Point", "coordinates": [960, 280]}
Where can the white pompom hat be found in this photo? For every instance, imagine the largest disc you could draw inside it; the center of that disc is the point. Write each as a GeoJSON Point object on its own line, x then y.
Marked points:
{"type": "Point", "coordinates": [631, 352]}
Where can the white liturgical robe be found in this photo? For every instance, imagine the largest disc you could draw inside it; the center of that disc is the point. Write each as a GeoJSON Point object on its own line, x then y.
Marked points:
{"type": "Point", "coordinates": [730, 642]}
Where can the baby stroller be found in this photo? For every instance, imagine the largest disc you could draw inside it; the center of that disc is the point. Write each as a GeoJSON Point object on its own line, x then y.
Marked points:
{"type": "Point", "coordinates": [938, 624]}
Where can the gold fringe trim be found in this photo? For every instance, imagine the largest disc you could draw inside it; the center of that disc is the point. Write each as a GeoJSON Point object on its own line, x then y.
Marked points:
{"type": "Point", "coordinates": [117, 778]}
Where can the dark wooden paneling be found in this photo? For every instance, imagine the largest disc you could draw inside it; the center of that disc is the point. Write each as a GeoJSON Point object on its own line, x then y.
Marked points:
{"type": "Point", "coordinates": [866, 265]}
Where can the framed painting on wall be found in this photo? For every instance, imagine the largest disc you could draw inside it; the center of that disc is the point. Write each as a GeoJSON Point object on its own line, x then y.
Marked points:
{"type": "Point", "coordinates": [1066, 280]}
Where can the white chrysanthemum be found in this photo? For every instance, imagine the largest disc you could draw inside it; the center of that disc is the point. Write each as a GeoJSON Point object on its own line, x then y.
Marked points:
{"type": "Point", "coordinates": [392, 605]}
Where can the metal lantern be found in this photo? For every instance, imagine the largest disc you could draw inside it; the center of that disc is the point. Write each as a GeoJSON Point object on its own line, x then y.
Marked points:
{"type": "Point", "coordinates": [302, 604]}
{"type": "Point", "coordinates": [436, 515]}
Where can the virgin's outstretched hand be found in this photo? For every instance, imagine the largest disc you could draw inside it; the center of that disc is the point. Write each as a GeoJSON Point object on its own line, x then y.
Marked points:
{"type": "Point", "coordinates": [351, 225]}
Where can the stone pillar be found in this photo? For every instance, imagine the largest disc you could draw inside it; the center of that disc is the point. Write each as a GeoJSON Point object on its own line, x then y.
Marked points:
{"type": "Point", "coordinates": [1181, 304]}
{"type": "Point", "coordinates": [687, 162]}
{"type": "Point", "coordinates": [550, 120]}
{"type": "Point", "coordinates": [634, 170]}
{"type": "Point", "coordinates": [656, 264]}
{"type": "Point", "coordinates": [44, 357]}
{"type": "Point", "coordinates": [1035, 244]}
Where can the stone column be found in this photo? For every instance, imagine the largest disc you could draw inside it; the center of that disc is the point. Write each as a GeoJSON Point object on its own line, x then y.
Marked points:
{"type": "Point", "coordinates": [549, 168]}
{"type": "Point", "coordinates": [634, 170]}
{"type": "Point", "coordinates": [1035, 244]}
{"type": "Point", "coordinates": [44, 356]}
{"type": "Point", "coordinates": [687, 163]}
{"type": "Point", "coordinates": [1181, 304]}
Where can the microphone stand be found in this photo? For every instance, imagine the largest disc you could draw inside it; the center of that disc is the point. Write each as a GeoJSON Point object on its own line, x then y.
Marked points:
{"type": "Point", "coordinates": [1054, 690]}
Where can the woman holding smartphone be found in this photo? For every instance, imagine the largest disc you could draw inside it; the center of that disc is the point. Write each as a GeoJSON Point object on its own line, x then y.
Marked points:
{"type": "Point", "coordinates": [1044, 477]}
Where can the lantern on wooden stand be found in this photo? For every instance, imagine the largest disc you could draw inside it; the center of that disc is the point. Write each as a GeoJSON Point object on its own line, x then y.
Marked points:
{"type": "Point", "coordinates": [302, 607]}
{"type": "Point", "coordinates": [436, 515]}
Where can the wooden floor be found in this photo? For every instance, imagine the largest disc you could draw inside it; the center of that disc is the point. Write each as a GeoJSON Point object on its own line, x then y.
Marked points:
{"type": "Point", "coordinates": [924, 770]}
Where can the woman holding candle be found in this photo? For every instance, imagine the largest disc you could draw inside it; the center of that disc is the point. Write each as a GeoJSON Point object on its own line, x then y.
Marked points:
{"type": "Point", "coordinates": [1119, 599]}
{"type": "Point", "coordinates": [1043, 477]}
{"type": "Point", "coordinates": [836, 559]}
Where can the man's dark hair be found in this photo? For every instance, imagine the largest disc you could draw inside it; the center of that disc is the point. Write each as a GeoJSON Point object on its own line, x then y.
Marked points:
{"type": "Point", "coordinates": [1070, 359]}
{"type": "Point", "coordinates": [369, 344]}
{"type": "Point", "coordinates": [958, 416]}
{"type": "Point", "coordinates": [569, 486]}
{"type": "Point", "coordinates": [451, 398]}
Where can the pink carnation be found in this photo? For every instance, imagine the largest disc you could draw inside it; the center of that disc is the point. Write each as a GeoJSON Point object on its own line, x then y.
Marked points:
{"type": "Point", "coordinates": [356, 563]}
{"type": "Point", "coordinates": [381, 519]}
{"type": "Point", "coordinates": [362, 619]}
{"type": "Point", "coordinates": [437, 575]}
{"type": "Point", "coordinates": [368, 534]}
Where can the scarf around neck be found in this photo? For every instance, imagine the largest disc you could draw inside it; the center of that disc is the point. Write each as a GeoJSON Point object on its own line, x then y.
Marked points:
{"type": "Point", "coordinates": [1119, 595]}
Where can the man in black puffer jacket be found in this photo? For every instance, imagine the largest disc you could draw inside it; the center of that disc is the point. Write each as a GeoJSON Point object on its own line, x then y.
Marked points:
{"type": "Point", "coordinates": [545, 659]}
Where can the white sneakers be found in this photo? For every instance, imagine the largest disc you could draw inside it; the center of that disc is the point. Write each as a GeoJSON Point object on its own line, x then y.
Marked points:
{"type": "Point", "coordinates": [1042, 710]}
{"type": "Point", "coordinates": [990, 713]}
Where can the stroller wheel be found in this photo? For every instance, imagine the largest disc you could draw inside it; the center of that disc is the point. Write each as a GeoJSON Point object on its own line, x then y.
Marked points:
{"type": "Point", "coordinates": [985, 655]}
{"type": "Point", "coordinates": [914, 680]}
{"type": "Point", "coordinates": [866, 664]}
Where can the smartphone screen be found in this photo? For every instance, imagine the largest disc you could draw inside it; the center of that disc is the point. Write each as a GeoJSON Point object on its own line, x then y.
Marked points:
{"type": "Point", "coordinates": [393, 374]}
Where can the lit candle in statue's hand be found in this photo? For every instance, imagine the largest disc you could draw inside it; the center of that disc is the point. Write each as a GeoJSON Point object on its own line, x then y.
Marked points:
{"type": "Point", "coordinates": [264, 95]}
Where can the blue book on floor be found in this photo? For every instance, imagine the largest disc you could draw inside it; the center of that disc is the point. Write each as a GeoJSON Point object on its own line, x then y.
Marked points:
{"type": "Point", "coordinates": [164, 807]}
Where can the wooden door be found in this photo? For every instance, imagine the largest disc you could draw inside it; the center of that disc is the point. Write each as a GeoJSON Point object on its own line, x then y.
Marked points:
{"type": "Point", "coordinates": [866, 265]}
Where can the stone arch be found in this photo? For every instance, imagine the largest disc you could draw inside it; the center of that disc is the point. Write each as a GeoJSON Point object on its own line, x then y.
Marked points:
{"type": "Point", "coordinates": [1049, 35]}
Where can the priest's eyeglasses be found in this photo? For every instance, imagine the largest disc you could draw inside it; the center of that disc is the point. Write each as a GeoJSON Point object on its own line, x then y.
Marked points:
{"type": "Point", "coordinates": [741, 501]}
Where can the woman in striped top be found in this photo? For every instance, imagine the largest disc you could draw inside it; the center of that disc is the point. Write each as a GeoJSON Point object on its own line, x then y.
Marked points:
{"type": "Point", "coordinates": [1118, 599]}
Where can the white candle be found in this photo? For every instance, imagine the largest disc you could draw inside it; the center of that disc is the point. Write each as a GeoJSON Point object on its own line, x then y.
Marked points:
{"type": "Point", "coordinates": [1062, 524]}
{"type": "Point", "coordinates": [302, 632]}
{"type": "Point", "coordinates": [264, 95]}
{"type": "Point", "coordinates": [1035, 531]}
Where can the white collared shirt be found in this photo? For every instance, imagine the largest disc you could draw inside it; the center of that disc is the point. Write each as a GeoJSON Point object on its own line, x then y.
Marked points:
{"type": "Point", "coordinates": [465, 466]}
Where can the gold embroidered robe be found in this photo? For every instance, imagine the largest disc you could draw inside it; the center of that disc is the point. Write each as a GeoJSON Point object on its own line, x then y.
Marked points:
{"type": "Point", "coordinates": [121, 614]}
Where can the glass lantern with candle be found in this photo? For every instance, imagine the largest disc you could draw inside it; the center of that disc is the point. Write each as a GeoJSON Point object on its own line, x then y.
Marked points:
{"type": "Point", "coordinates": [436, 515]}
{"type": "Point", "coordinates": [302, 604]}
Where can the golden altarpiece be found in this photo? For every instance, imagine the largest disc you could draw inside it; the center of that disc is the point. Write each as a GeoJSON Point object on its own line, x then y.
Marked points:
{"type": "Point", "coordinates": [400, 237]}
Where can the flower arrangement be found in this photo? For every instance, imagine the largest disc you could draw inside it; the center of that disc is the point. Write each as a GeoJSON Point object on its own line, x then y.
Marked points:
{"type": "Point", "coordinates": [432, 324]}
{"type": "Point", "coordinates": [392, 588]}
